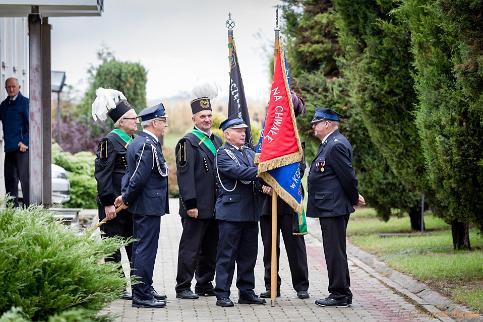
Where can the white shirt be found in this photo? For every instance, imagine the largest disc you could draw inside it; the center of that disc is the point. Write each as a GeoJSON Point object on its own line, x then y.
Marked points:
{"type": "Point", "coordinates": [325, 137]}
{"type": "Point", "coordinates": [207, 133]}
{"type": "Point", "coordinates": [151, 133]}
{"type": "Point", "coordinates": [13, 98]}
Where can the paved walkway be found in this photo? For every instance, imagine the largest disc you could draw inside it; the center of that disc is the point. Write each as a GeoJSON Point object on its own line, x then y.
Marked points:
{"type": "Point", "coordinates": [373, 301]}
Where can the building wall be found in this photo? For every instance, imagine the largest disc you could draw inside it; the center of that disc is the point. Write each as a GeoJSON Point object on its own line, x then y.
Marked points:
{"type": "Point", "coordinates": [13, 62]}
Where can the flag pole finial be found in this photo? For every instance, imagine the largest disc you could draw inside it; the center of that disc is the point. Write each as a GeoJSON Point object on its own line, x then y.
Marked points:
{"type": "Point", "coordinates": [230, 23]}
{"type": "Point", "coordinates": [277, 28]}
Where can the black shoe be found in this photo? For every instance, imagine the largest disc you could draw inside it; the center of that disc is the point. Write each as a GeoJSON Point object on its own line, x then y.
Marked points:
{"type": "Point", "coordinates": [208, 292]}
{"type": "Point", "coordinates": [158, 296]}
{"type": "Point", "coordinates": [349, 301]}
{"type": "Point", "coordinates": [151, 303]}
{"type": "Point", "coordinates": [186, 295]}
{"type": "Point", "coordinates": [332, 302]}
{"type": "Point", "coordinates": [224, 302]}
{"type": "Point", "coordinates": [250, 299]}
{"type": "Point", "coordinates": [303, 295]}
{"type": "Point", "coordinates": [266, 294]}
{"type": "Point", "coordinates": [126, 296]}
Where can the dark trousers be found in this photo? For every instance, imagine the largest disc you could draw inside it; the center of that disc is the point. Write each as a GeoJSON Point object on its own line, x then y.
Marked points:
{"type": "Point", "coordinates": [146, 233]}
{"type": "Point", "coordinates": [237, 242]}
{"type": "Point", "coordinates": [17, 167]}
{"type": "Point", "coordinates": [295, 247]}
{"type": "Point", "coordinates": [334, 240]}
{"type": "Point", "coordinates": [197, 253]}
{"type": "Point", "coordinates": [121, 226]}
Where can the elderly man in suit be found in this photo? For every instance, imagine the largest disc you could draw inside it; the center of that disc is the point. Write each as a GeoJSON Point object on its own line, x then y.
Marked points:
{"type": "Point", "coordinates": [145, 193]}
{"type": "Point", "coordinates": [14, 115]}
{"type": "Point", "coordinates": [332, 190]}
{"type": "Point", "coordinates": [237, 214]}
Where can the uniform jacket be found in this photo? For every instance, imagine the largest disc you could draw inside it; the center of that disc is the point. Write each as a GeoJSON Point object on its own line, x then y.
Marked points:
{"type": "Point", "coordinates": [110, 167]}
{"type": "Point", "coordinates": [332, 183]}
{"type": "Point", "coordinates": [237, 173]}
{"type": "Point", "coordinates": [145, 184]}
{"type": "Point", "coordinates": [15, 120]}
{"type": "Point", "coordinates": [196, 176]}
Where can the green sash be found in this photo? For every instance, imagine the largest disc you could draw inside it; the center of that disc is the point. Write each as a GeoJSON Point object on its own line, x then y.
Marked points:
{"type": "Point", "coordinates": [205, 140]}
{"type": "Point", "coordinates": [123, 135]}
{"type": "Point", "coordinates": [302, 223]}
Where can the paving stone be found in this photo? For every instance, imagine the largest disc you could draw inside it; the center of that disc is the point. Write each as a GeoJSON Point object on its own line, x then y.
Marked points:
{"type": "Point", "coordinates": [373, 300]}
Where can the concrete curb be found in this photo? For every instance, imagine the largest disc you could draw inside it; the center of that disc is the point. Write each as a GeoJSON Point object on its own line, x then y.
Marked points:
{"type": "Point", "coordinates": [417, 292]}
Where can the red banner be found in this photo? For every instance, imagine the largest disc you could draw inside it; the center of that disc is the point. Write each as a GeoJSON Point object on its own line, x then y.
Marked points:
{"type": "Point", "coordinates": [280, 142]}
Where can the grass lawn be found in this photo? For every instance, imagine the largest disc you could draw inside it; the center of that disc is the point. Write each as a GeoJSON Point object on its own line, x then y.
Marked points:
{"type": "Point", "coordinates": [429, 257]}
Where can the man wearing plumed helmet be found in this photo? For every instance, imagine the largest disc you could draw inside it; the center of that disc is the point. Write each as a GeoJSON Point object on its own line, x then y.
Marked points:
{"type": "Point", "coordinates": [110, 165]}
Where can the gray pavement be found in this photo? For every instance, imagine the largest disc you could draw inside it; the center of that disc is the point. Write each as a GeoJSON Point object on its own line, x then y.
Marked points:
{"type": "Point", "coordinates": [373, 299]}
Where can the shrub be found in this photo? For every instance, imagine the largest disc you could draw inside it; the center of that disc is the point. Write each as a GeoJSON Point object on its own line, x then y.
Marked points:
{"type": "Point", "coordinates": [46, 269]}
{"type": "Point", "coordinates": [81, 175]}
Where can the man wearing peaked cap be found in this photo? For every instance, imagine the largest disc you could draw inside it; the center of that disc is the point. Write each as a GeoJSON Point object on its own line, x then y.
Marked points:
{"type": "Point", "coordinates": [332, 195]}
{"type": "Point", "coordinates": [110, 166]}
{"type": "Point", "coordinates": [145, 194]}
{"type": "Point", "coordinates": [195, 157]}
{"type": "Point", "coordinates": [237, 214]}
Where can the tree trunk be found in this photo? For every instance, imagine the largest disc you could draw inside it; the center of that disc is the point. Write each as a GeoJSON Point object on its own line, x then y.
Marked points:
{"type": "Point", "coordinates": [461, 235]}
{"type": "Point", "coordinates": [415, 217]}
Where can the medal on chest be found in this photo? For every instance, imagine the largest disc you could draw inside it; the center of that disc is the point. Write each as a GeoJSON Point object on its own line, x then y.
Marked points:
{"type": "Point", "coordinates": [319, 166]}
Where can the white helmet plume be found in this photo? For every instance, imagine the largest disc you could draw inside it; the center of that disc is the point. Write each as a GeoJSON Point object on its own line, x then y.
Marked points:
{"type": "Point", "coordinates": [105, 101]}
{"type": "Point", "coordinates": [205, 90]}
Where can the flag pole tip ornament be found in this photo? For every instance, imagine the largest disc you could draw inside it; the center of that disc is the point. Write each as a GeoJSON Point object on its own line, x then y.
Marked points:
{"type": "Point", "coordinates": [232, 123]}
{"type": "Point", "coordinates": [203, 94]}
{"type": "Point", "coordinates": [230, 23]}
{"type": "Point", "coordinates": [154, 112]}
{"type": "Point", "coordinates": [109, 102]}
{"type": "Point", "coordinates": [325, 114]}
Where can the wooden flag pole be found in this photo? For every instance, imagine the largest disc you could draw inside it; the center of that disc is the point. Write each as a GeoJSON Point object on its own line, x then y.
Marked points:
{"type": "Point", "coordinates": [274, 265]}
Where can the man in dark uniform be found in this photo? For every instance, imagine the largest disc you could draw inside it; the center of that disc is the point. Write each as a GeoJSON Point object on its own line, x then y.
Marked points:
{"type": "Point", "coordinates": [195, 156]}
{"type": "Point", "coordinates": [332, 190]}
{"type": "Point", "coordinates": [237, 214]}
{"type": "Point", "coordinates": [294, 244]}
{"type": "Point", "coordinates": [110, 167]}
{"type": "Point", "coordinates": [145, 193]}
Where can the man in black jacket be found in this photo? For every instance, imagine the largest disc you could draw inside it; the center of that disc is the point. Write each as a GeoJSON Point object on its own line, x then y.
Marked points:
{"type": "Point", "coordinates": [110, 167]}
{"type": "Point", "coordinates": [294, 244]}
{"type": "Point", "coordinates": [195, 156]}
{"type": "Point", "coordinates": [332, 190]}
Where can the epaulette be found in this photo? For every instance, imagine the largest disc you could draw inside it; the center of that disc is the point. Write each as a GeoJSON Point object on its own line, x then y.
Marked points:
{"type": "Point", "coordinates": [103, 149]}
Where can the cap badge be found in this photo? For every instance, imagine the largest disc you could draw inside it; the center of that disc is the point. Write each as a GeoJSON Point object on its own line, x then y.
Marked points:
{"type": "Point", "coordinates": [205, 103]}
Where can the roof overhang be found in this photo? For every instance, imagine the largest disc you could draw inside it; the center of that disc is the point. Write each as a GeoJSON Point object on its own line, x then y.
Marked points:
{"type": "Point", "coordinates": [51, 8]}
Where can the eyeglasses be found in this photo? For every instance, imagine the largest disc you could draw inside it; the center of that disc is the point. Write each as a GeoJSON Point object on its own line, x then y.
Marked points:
{"type": "Point", "coordinates": [130, 118]}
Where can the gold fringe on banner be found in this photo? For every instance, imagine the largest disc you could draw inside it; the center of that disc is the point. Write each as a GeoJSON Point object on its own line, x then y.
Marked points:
{"type": "Point", "coordinates": [279, 162]}
{"type": "Point", "coordinates": [281, 192]}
